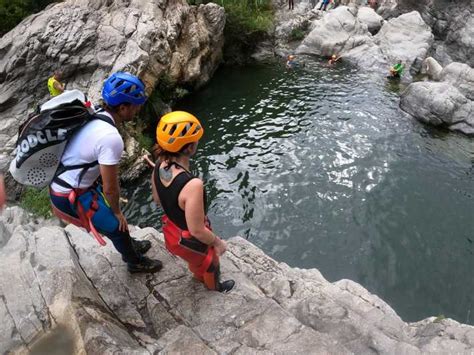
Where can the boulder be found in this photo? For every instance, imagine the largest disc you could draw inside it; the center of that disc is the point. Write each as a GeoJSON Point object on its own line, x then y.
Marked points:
{"type": "Point", "coordinates": [58, 283]}
{"type": "Point", "coordinates": [338, 31]}
{"type": "Point", "coordinates": [388, 9]}
{"type": "Point", "coordinates": [439, 104]}
{"type": "Point", "coordinates": [431, 68]}
{"type": "Point", "coordinates": [452, 23]}
{"type": "Point", "coordinates": [407, 38]}
{"type": "Point", "coordinates": [344, 31]}
{"type": "Point", "coordinates": [90, 39]}
{"type": "Point", "coordinates": [461, 76]}
{"type": "Point", "coordinates": [368, 16]}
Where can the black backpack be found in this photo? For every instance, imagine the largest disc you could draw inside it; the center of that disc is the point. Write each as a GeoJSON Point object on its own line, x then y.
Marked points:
{"type": "Point", "coordinates": [44, 136]}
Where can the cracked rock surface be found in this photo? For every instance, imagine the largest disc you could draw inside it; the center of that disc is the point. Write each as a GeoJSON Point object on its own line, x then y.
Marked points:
{"type": "Point", "coordinates": [448, 103]}
{"type": "Point", "coordinates": [90, 39]}
{"type": "Point", "coordinates": [59, 282]}
{"type": "Point", "coordinates": [346, 31]}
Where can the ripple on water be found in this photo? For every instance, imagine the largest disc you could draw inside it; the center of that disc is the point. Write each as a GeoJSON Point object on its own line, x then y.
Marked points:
{"type": "Point", "coordinates": [320, 168]}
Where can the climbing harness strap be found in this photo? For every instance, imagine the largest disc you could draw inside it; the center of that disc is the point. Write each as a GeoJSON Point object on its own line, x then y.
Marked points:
{"type": "Point", "coordinates": [85, 217]}
{"type": "Point", "coordinates": [176, 239]}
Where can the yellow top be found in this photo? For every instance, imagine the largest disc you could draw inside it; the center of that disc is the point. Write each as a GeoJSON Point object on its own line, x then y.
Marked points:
{"type": "Point", "coordinates": [52, 90]}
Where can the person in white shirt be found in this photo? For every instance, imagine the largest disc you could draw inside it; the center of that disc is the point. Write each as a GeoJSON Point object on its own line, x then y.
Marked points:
{"type": "Point", "coordinates": [94, 152]}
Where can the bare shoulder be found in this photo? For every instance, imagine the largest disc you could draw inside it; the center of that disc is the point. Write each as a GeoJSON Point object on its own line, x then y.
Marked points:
{"type": "Point", "coordinates": [195, 184]}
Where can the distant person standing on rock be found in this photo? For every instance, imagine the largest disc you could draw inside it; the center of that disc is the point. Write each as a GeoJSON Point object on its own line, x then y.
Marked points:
{"type": "Point", "coordinates": [186, 228]}
{"type": "Point", "coordinates": [55, 86]}
{"type": "Point", "coordinates": [324, 5]}
{"type": "Point", "coordinates": [291, 4]}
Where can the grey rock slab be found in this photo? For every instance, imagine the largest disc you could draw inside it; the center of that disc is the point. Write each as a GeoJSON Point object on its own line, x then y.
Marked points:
{"type": "Point", "coordinates": [368, 16]}
{"type": "Point", "coordinates": [52, 278]}
{"type": "Point", "coordinates": [90, 39]}
{"type": "Point", "coordinates": [182, 340]}
{"type": "Point", "coordinates": [407, 38]}
{"type": "Point", "coordinates": [461, 76]}
{"type": "Point", "coordinates": [338, 31]}
{"type": "Point", "coordinates": [439, 104]}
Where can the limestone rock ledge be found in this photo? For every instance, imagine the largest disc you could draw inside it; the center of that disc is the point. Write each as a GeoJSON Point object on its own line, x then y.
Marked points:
{"type": "Point", "coordinates": [55, 278]}
{"type": "Point", "coordinates": [90, 39]}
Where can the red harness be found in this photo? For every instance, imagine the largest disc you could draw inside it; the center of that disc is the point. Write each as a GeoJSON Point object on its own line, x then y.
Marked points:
{"type": "Point", "coordinates": [85, 218]}
{"type": "Point", "coordinates": [173, 235]}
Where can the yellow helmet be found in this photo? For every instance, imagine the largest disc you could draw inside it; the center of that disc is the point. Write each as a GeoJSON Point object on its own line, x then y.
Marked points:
{"type": "Point", "coordinates": [176, 129]}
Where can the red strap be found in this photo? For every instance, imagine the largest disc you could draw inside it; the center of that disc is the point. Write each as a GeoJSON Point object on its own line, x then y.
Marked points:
{"type": "Point", "coordinates": [210, 252]}
{"type": "Point", "coordinates": [85, 218]}
{"type": "Point", "coordinates": [207, 261]}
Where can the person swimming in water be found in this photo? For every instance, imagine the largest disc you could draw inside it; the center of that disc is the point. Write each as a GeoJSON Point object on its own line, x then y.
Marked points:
{"type": "Point", "coordinates": [396, 71]}
{"type": "Point", "coordinates": [334, 58]}
{"type": "Point", "coordinates": [291, 63]}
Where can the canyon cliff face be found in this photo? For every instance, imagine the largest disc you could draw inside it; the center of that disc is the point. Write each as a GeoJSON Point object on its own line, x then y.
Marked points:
{"type": "Point", "coordinates": [90, 39]}
{"type": "Point", "coordinates": [452, 23]}
{"type": "Point", "coordinates": [60, 283]}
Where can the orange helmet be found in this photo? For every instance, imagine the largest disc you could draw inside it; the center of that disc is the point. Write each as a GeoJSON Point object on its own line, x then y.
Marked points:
{"type": "Point", "coordinates": [176, 129]}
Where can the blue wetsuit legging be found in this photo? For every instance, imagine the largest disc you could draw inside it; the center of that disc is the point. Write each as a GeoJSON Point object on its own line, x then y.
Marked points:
{"type": "Point", "coordinates": [104, 221]}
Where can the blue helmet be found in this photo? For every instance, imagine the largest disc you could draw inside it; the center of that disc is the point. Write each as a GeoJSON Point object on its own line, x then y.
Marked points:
{"type": "Point", "coordinates": [121, 88]}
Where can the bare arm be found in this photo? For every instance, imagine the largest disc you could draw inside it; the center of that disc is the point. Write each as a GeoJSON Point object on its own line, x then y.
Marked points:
{"type": "Point", "coordinates": [192, 197]}
{"type": "Point", "coordinates": [58, 86]}
{"type": "Point", "coordinates": [111, 190]}
{"type": "Point", "coordinates": [154, 193]}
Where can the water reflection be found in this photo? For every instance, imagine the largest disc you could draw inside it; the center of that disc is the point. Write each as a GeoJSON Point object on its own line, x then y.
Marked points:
{"type": "Point", "coordinates": [320, 168]}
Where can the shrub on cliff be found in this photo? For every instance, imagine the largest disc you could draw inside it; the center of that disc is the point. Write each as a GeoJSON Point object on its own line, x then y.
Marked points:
{"type": "Point", "coordinates": [247, 15]}
{"type": "Point", "coordinates": [36, 202]}
{"type": "Point", "coordinates": [248, 23]}
{"type": "Point", "coordinates": [13, 11]}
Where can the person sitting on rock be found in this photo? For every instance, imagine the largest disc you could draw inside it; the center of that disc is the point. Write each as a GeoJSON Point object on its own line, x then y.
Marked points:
{"type": "Point", "coordinates": [334, 58]}
{"type": "Point", "coordinates": [324, 5]}
{"type": "Point", "coordinates": [55, 86]}
{"type": "Point", "coordinates": [186, 228]}
{"type": "Point", "coordinates": [78, 198]}
{"type": "Point", "coordinates": [397, 70]}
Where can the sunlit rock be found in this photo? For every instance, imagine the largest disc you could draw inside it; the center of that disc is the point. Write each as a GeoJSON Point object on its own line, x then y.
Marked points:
{"type": "Point", "coordinates": [448, 103]}
{"type": "Point", "coordinates": [368, 16]}
{"type": "Point", "coordinates": [61, 280]}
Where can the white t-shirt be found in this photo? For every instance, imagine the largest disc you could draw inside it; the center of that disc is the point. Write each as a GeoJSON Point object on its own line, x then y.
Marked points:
{"type": "Point", "coordinates": [97, 140]}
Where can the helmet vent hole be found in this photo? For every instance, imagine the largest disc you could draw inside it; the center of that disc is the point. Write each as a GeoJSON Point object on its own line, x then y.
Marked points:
{"type": "Point", "coordinates": [171, 140]}
{"type": "Point", "coordinates": [185, 129]}
{"type": "Point", "coordinates": [173, 129]}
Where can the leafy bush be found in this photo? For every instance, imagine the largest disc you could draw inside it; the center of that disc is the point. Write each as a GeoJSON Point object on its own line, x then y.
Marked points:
{"type": "Point", "coordinates": [246, 15]}
{"type": "Point", "coordinates": [297, 34]}
{"type": "Point", "coordinates": [36, 202]}
{"type": "Point", "coordinates": [13, 11]}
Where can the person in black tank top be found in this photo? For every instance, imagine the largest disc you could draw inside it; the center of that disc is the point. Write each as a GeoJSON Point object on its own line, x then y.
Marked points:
{"type": "Point", "coordinates": [186, 228]}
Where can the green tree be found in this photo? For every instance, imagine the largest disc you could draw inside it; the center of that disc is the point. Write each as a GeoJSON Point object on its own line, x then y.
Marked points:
{"type": "Point", "coordinates": [13, 11]}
